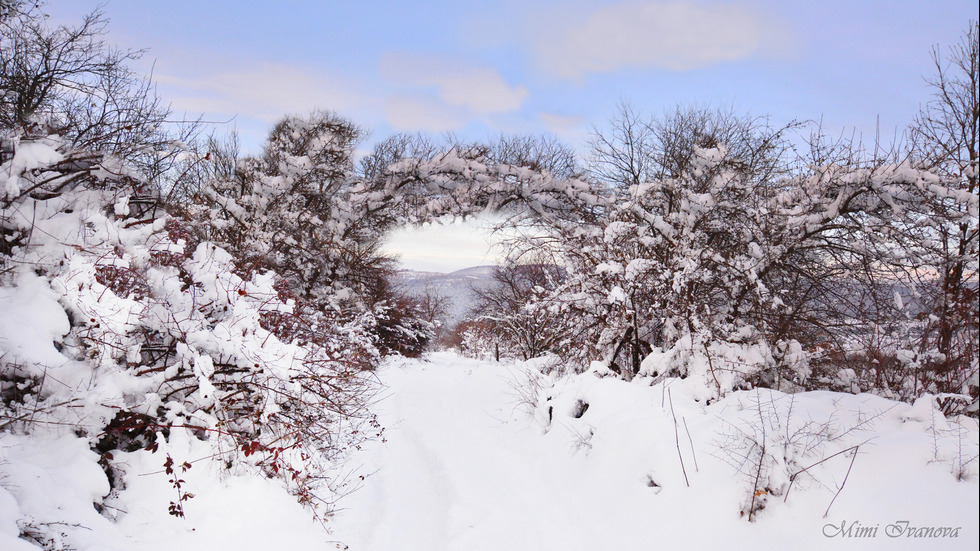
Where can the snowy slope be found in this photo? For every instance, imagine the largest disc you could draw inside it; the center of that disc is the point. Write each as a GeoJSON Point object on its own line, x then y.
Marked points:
{"type": "Point", "coordinates": [48, 486]}
{"type": "Point", "coordinates": [464, 467]}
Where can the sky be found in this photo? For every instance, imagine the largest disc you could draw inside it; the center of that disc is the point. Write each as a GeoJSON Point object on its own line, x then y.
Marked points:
{"type": "Point", "coordinates": [481, 69]}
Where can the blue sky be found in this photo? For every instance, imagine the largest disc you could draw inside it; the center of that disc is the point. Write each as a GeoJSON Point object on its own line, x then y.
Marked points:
{"type": "Point", "coordinates": [483, 68]}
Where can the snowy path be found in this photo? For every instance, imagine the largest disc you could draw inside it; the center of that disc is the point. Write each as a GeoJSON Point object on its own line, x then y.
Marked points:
{"type": "Point", "coordinates": [455, 475]}
{"type": "Point", "coordinates": [461, 470]}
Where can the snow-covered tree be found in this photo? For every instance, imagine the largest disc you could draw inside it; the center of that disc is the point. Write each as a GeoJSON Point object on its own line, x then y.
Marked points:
{"type": "Point", "coordinates": [508, 310]}
{"type": "Point", "coordinates": [945, 137]}
{"type": "Point", "coordinates": [671, 256]}
{"type": "Point", "coordinates": [66, 80]}
{"type": "Point", "coordinates": [745, 266]}
{"type": "Point", "coordinates": [291, 211]}
{"type": "Point", "coordinates": [149, 322]}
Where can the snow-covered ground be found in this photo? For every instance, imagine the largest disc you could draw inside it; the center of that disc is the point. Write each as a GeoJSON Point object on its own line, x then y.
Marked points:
{"type": "Point", "coordinates": [469, 463]}
{"type": "Point", "coordinates": [48, 487]}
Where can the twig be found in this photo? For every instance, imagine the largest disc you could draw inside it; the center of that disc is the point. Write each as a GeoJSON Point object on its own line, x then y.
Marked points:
{"type": "Point", "coordinates": [792, 477]}
{"type": "Point", "coordinates": [691, 441]}
{"type": "Point", "coordinates": [711, 367]}
{"type": "Point", "coordinates": [677, 439]}
{"type": "Point", "coordinates": [853, 457]}
{"type": "Point", "coordinates": [755, 484]}
{"type": "Point", "coordinates": [762, 458]}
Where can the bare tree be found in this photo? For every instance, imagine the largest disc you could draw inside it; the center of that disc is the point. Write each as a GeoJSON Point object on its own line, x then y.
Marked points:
{"type": "Point", "coordinates": [622, 155]}
{"type": "Point", "coordinates": [519, 327]}
{"type": "Point", "coordinates": [11, 8]}
{"type": "Point", "coordinates": [393, 149]}
{"type": "Point", "coordinates": [68, 81]}
{"type": "Point", "coordinates": [433, 307]}
{"type": "Point", "coordinates": [945, 137]}
{"type": "Point", "coordinates": [542, 153]}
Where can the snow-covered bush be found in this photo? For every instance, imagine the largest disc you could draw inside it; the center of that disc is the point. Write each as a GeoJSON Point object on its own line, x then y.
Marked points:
{"type": "Point", "coordinates": [507, 316]}
{"type": "Point", "coordinates": [749, 266]}
{"type": "Point", "coordinates": [480, 339]}
{"type": "Point", "coordinates": [293, 211]}
{"type": "Point", "coordinates": [157, 334]}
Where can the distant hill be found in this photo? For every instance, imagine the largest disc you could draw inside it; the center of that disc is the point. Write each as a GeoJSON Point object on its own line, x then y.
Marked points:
{"type": "Point", "coordinates": [456, 286]}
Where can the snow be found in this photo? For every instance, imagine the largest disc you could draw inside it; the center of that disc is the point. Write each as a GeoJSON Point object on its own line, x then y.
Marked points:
{"type": "Point", "coordinates": [453, 474]}
{"type": "Point", "coordinates": [29, 155]}
{"type": "Point", "coordinates": [48, 486]}
{"type": "Point", "coordinates": [227, 511]}
{"type": "Point", "coordinates": [32, 321]}
{"type": "Point", "coordinates": [467, 465]}
{"type": "Point", "coordinates": [482, 455]}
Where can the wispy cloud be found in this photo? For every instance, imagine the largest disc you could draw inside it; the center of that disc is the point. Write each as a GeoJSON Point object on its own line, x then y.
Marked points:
{"type": "Point", "coordinates": [563, 126]}
{"type": "Point", "coordinates": [443, 247]}
{"type": "Point", "coordinates": [672, 35]}
{"type": "Point", "coordinates": [265, 91]}
{"type": "Point", "coordinates": [479, 89]}
{"type": "Point", "coordinates": [411, 113]}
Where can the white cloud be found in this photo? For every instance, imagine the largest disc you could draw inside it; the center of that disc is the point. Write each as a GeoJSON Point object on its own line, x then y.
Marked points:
{"type": "Point", "coordinates": [561, 124]}
{"type": "Point", "coordinates": [479, 89]}
{"type": "Point", "coordinates": [443, 247]}
{"type": "Point", "coordinates": [265, 91]}
{"type": "Point", "coordinates": [673, 35]}
{"type": "Point", "coordinates": [411, 113]}
{"type": "Point", "coordinates": [571, 129]}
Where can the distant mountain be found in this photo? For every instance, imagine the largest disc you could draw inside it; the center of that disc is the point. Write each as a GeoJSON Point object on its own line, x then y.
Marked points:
{"type": "Point", "coordinates": [476, 272]}
{"type": "Point", "coordinates": [458, 287]}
